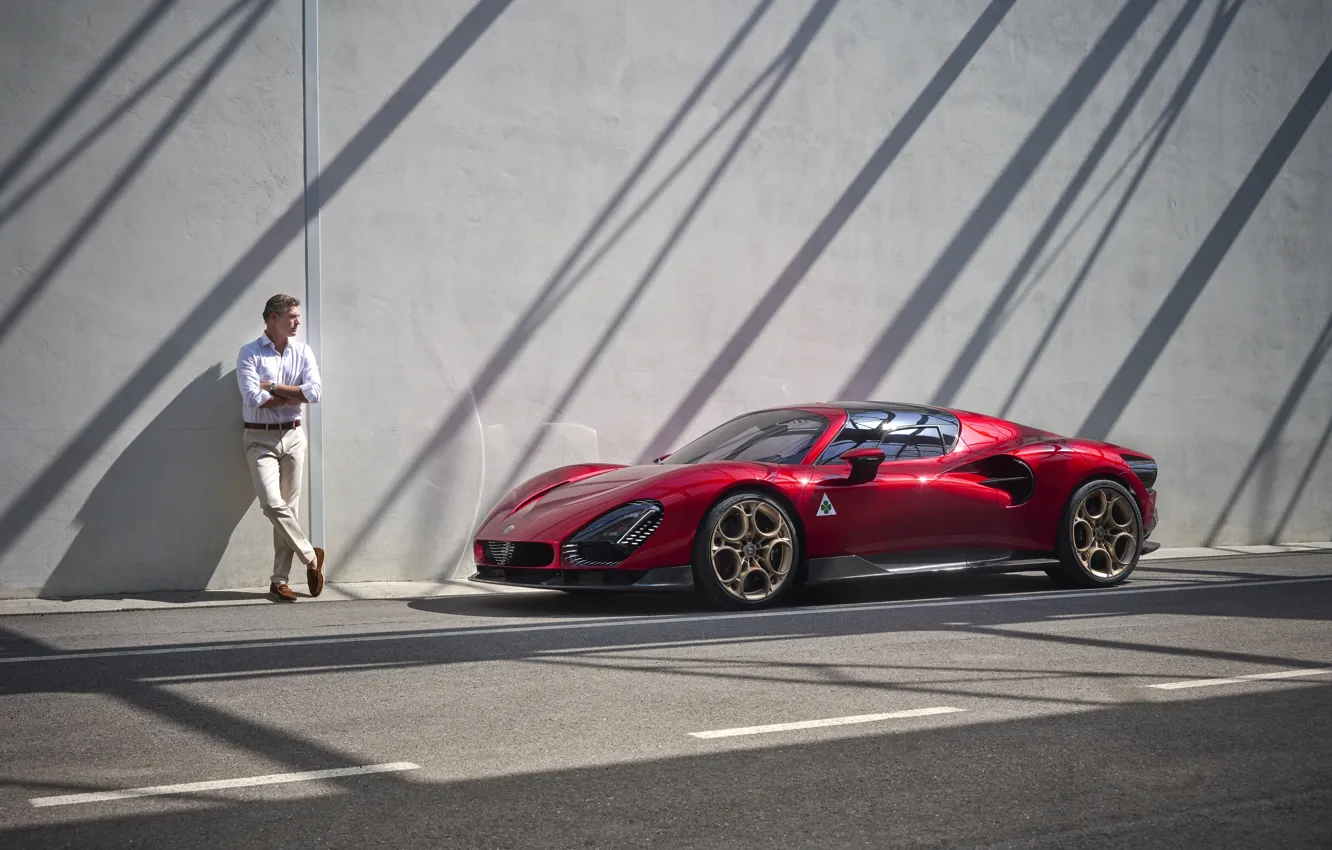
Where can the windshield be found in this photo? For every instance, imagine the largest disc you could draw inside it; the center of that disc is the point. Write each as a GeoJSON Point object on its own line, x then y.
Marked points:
{"type": "Point", "coordinates": [772, 436]}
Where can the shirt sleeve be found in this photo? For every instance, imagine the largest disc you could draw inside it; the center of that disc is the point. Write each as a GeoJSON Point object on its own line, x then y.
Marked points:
{"type": "Point", "coordinates": [311, 387]}
{"type": "Point", "coordinates": [247, 376]}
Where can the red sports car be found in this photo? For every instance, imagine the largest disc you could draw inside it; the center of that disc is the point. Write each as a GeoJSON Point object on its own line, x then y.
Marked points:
{"type": "Point", "coordinates": [829, 492]}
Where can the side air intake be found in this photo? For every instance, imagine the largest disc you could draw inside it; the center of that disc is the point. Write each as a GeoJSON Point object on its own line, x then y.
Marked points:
{"type": "Point", "coordinates": [1007, 474]}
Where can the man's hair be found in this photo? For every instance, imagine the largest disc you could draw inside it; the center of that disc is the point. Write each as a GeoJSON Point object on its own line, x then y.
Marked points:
{"type": "Point", "coordinates": [280, 304]}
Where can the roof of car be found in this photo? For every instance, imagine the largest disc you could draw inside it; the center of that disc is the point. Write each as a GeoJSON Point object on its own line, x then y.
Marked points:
{"type": "Point", "coordinates": [854, 406]}
{"type": "Point", "coordinates": [885, 405]}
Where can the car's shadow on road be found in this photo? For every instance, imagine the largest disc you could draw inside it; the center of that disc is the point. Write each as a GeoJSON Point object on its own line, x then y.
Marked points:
{"type": "Point", "coordinates": [539, 604]}
{"type": "Point", "coordinates": [905, 588]}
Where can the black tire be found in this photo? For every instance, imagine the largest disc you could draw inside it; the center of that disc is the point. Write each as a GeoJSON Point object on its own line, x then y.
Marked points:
{"type": "Point", "coordinates": [1110, 561]}
{"type": "Point", "coordinates": [778, 577]}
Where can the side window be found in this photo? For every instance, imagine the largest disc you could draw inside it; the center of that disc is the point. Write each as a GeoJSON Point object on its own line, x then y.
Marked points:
{"type": "Point", "coordinates": [945, 425]}
{"type": "Point", "coordinates": [948, 429]}
{"type": "Point", "coordinates": [912, 443]}
{"type": "Point", "coordinates": [862, 428]}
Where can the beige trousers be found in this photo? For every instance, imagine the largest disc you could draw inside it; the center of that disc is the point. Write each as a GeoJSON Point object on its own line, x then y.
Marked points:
{"type": "Point", "coordinates": [277, 465]}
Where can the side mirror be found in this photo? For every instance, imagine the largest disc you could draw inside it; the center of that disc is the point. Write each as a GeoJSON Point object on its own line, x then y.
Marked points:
{"type": "Point", "coordinates": [864, 464]}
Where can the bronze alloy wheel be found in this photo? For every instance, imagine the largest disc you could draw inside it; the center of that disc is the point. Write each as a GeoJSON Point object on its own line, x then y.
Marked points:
{"type": "Point", "coordinates": [1105, 533]}
{"type": "Point", "coordinates": [752, 552]}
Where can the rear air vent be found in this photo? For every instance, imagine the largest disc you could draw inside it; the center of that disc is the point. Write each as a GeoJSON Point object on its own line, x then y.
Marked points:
{"type": "Point", "coordinates": [1144, 468]}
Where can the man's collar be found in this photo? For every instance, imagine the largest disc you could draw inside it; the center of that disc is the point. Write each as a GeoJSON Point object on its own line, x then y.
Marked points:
{"type": "Point", "coordinates": [267, 342]}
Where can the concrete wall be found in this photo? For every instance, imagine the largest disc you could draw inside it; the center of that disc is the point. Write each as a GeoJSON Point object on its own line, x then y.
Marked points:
{"type": "Point", "coordinates": [587, 229]}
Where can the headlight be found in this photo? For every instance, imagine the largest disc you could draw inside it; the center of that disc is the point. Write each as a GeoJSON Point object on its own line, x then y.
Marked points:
{"type": "Point", "coordinates": [614, 536]}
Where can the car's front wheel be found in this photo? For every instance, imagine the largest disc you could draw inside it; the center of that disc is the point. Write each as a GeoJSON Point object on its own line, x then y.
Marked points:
{"type": "Point", "coordinates": [746, 551]}
{"type": "Point", "coordinates": [1100, 536]}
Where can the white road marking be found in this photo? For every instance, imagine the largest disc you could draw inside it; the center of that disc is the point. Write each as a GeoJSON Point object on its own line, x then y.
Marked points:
{"type": "Point", "coordinates": [244, 782]}
{"type": "Point", "coordinates": [629, 621]}
{"type": "Point", "coordinates": [831, 721]}
{"type": "Point", "coordinates": [1236, 680]}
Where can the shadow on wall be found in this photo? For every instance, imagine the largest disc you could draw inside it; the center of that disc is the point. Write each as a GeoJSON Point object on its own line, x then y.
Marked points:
{"type": "Point", "coordinates": [163, 515]}
{"type": "Point", "coordinates": [57, 474]}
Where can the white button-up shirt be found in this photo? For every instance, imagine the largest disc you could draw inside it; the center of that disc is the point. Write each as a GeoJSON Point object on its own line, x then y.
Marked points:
{"type": "Point", "coordinates": [259, 362]}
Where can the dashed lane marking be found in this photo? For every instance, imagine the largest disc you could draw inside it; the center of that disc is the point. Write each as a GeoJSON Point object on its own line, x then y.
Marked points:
{"type": "Point", "coordinates": [1237, 680]}
{"type": "Point", "coordinates": [830, 721]}
{"type": "Point", "coordinates": [213, 785]}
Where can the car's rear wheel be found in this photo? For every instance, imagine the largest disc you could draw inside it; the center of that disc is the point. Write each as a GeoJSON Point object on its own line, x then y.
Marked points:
{"type": "Point", "coordinates": [1100, 536]}
{"type": "Point", "coordinates": [746, 551]}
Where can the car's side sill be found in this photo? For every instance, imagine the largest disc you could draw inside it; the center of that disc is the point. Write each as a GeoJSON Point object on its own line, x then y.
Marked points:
{"type": "Point", "coordinates": [845, 567]}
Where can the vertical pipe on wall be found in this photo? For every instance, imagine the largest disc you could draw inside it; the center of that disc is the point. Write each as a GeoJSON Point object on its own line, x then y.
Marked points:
{"type": "Point", "coordinates": [313, 304]}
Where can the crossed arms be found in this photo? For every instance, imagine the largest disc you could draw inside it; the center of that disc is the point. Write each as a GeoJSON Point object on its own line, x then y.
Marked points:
{"type": "Point", "coordinates": [283, 395]}
{"type": "Point", "coordinates": [258, 393]}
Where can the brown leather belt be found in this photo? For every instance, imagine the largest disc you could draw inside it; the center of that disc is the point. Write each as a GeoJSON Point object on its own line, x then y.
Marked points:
{"type": "Point", "coordinates": [280, 426]}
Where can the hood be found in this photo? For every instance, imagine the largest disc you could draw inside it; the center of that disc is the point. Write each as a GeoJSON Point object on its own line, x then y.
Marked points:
{"type": "Point", "coordinates": [561, 509]}
{"type": "Point", "coordinates": [568, 502]}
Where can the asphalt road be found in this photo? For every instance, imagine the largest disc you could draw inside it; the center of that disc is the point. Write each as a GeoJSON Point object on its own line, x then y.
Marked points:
{"type": "Point", "coordinates": [985, 711]}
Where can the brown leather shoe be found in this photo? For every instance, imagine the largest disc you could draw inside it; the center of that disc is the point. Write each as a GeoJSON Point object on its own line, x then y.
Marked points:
{"type": "Point", "coordinates": [314, 575]}
{"type": "Point", "coordinates": [282, 592]}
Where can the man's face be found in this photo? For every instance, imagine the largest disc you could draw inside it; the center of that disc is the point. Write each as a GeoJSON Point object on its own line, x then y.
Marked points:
{"type": "Point", "coordinates": [284, 324]}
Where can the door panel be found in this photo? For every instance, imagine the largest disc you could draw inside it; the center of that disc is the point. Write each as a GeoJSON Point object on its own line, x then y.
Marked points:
{"type": "Point", "coordinates": [863, 518]}
{"type": "Point", "coordinates": [920, 499]}
{"type": "Point", "coordinates": [911, 504]}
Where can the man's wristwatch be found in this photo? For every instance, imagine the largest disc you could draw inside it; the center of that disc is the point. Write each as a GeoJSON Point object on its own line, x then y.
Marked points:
{"type": "Point", "coordinates": [272, 386]}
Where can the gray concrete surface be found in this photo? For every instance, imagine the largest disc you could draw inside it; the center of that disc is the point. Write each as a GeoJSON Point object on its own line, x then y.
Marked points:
{"type": "Point", "coordinates": [581, 230]}
{"type": "Point", "coordinates": [540, 720]}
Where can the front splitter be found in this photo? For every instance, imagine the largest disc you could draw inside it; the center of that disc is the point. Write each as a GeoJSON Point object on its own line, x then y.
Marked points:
{"type": "Point", "coordinates": [659, 579]}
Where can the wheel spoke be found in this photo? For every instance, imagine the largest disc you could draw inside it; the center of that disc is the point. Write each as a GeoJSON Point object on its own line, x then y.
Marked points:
{"type": "Point", "coordinates": [1086, 556]}
{"type": "Point", "coordinates": [1121, 548]}
{"type": "Point", "coordinates": [727, 561]}
{"type": "Point", "coordinates": [776, 567]}
{"type": "Point", "coordinates": [1084, 536]}
{"type": "Point", "coordinates": [758, 572]}
{"type": "Point", "coordinates": [1094, 506]}
{"type": "Point", "coordinates": [766, 523]}
{"type": "Point", "coordinates": [1100, 562]}
{"type": "Point", "coordinates": [1120, 515]}
{"type": "Point", "coordinates": [734, 525]}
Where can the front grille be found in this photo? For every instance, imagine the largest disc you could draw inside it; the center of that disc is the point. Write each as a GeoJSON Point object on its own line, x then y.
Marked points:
{"type": "Point", "coordinates": [511, 553]}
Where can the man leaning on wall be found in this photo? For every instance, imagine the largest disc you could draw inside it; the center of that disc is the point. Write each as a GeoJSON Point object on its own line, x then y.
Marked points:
{"type": "Point", "coordinates": [277, 374]}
